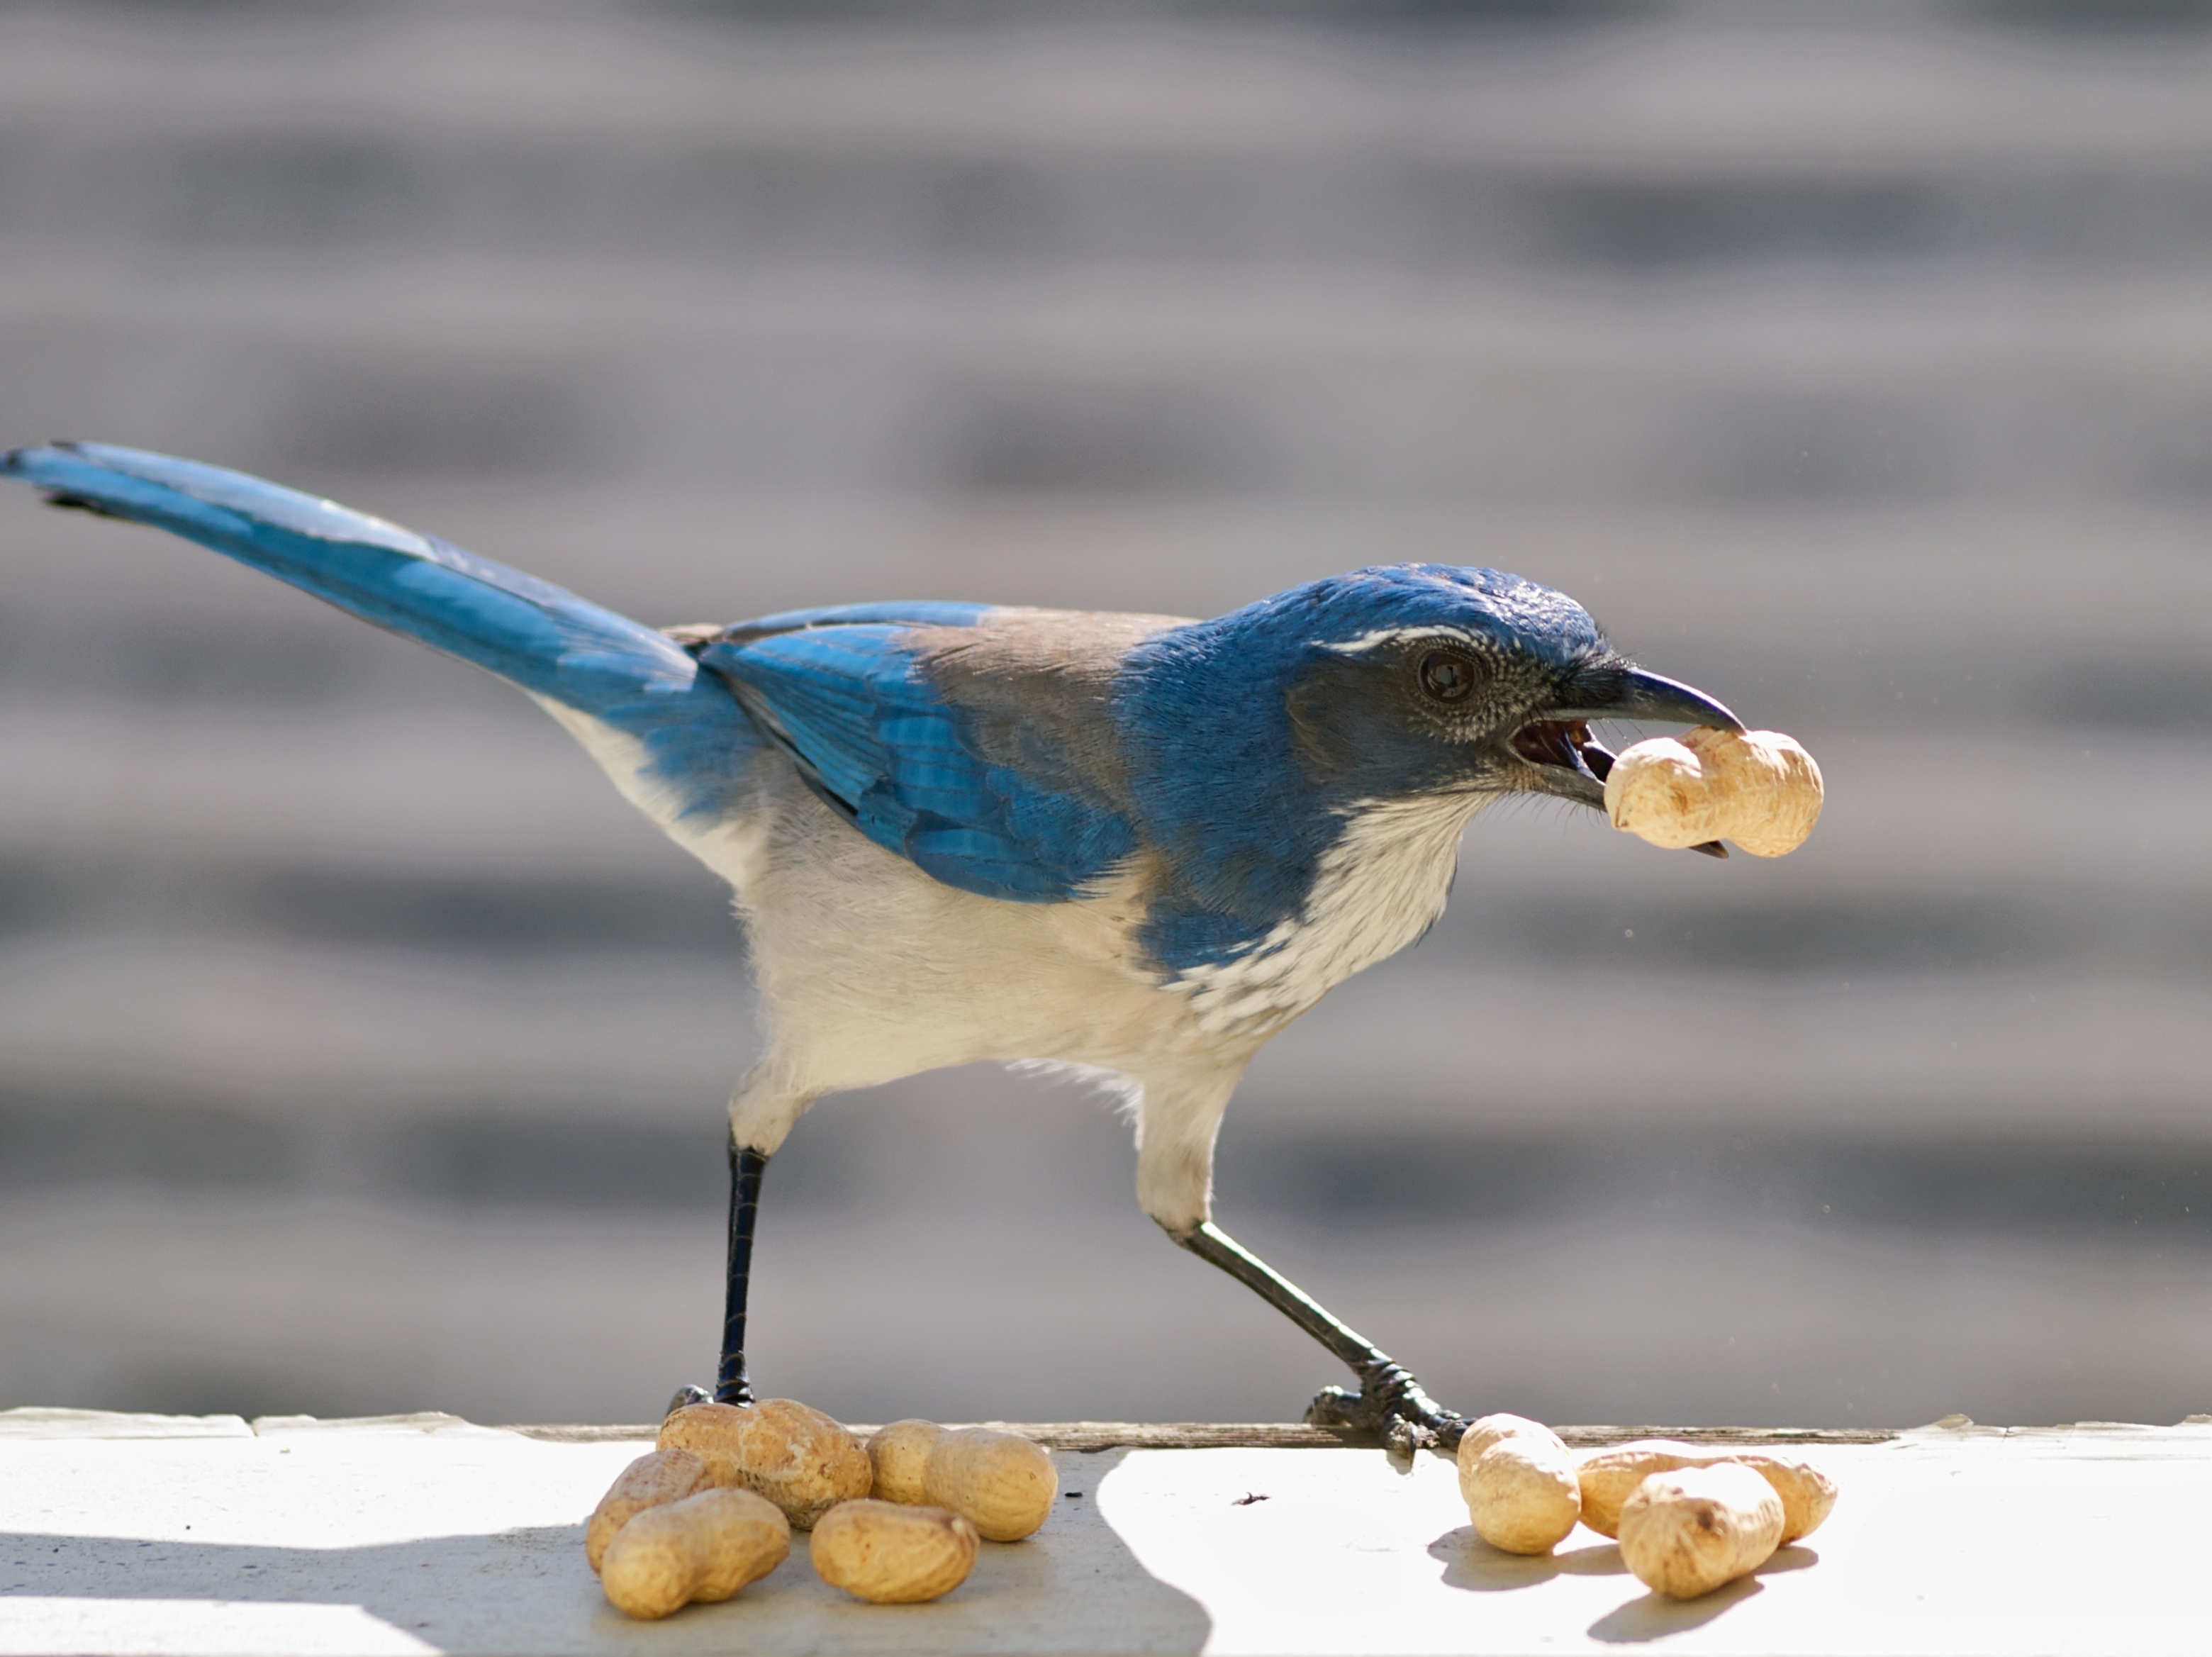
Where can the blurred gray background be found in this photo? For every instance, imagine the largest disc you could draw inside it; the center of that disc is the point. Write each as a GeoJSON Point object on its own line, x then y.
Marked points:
{"type": "Point", "coordinates": [360, 1052]}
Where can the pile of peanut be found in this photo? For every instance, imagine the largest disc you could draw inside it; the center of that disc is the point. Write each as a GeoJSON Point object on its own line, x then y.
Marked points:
{"type": "Point", "coordinates": [1688, 1520]}
{"type": "Point", "coordinates": [901, 1516]}
{"type": "Point", "coordinates": [897, 1519]}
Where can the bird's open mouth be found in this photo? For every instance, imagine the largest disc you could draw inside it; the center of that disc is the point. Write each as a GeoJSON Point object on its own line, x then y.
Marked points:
{"type": "Point", "coordinates": [1564, 742]}
{"type": "Point", "coordinates": [1574, 764]}
{"type": "Point", "coordinates": [1568, 763]}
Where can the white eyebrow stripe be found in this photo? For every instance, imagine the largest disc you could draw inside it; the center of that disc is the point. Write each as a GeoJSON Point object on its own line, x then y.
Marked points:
{"type": "Point", "coordinates": [1395, 635]}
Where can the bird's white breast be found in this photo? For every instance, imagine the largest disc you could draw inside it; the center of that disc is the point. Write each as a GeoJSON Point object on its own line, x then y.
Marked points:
{"type": "Point", "coordinates": [874, 970]}
{"type": "Point", "coordinates": [1378, 889]}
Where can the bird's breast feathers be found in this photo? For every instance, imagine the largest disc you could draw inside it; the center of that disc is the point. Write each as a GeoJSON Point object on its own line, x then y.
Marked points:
{"type": "Point", "coordinates": [1378, 887]}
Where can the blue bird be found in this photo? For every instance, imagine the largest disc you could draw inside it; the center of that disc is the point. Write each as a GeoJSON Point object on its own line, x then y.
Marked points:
{"type": "Point", "coordinates": [1131, 845]}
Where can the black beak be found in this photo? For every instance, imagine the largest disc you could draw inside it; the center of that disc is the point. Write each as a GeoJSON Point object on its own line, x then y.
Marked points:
{"type": "Point", "coordinates": [1620, 690]}
{"type": "Point", "coordinates": [1569, 763]}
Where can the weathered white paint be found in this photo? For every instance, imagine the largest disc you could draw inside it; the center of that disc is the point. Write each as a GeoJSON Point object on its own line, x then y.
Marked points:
{"type": "Point", "coordinates": [391, 1539]}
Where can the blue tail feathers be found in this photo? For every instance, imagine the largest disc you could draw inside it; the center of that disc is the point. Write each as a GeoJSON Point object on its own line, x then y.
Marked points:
{"type": "Point", "coordinates": [543, 638]}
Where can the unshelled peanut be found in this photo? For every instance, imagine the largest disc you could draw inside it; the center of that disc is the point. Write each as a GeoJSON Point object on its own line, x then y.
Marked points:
{"type": "Point", "coordinates": [1688, 1531]}
{"type": "Point", "coordinates": [651, 1481]}
{"type": "Point", "coordinates": [706, 1547]}
{"type": "Point", "coordinates": [891, 1553]}
{"type": "Point", "coordinates": [1518, 1479]}
{"type": "Point", "coordinates": [798, 1458]}
{"type": "Point", "coordinates": [1004, 1485]}
{"type": "Point", "coordinates": [1758, 788]}
{"type": "Point", "coordinates": [1608, 1477]}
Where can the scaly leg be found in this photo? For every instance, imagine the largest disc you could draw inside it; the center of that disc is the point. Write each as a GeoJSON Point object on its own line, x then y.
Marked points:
{"type": "Point", "coordinates": [1178, 1118]}
{"type": "Point", "coordinates": [1389, 1400]}
{"type": "Point", "coordinates": [732, 1384]}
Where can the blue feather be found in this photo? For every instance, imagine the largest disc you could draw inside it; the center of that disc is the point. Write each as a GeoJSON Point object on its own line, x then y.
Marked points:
{"type": "Point", "coordinates": [540, 636]}
{"type": "Point", "coordinates": [1186, 747]}
{"type": "Point", "coordinates": [848, 696]}
{"type": "Point", "coordinates": [1244, 857]}
{"type": "Point", "coordinates": [912, 612]}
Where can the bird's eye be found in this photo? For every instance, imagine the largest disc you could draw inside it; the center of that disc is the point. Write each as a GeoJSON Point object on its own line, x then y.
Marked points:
{"type": "Point", "coordinates": [1447, 675]}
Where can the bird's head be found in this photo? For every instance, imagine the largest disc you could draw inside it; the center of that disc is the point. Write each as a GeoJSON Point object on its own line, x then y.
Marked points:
{"type": "Point", "coordinates": [1312, 758]}
{"type": "Point", "coordinates": [1427, 679]}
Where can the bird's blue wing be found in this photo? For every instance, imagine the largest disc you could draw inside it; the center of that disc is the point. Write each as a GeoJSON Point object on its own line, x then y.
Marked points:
{"type": "Point", "coordinates": [844, 690]}
{"type": "Point", "coordinates": [850, 694]}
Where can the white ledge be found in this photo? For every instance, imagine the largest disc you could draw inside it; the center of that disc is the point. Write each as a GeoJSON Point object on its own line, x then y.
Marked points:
{"type": "Point", "coordinates": [211, 1536]}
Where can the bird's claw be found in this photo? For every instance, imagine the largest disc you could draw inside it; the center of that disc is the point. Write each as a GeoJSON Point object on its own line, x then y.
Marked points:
{"type": "Point", "coordinates": [1391, 1405]}
{"type": "Point", "coordinates": [737, 1391]}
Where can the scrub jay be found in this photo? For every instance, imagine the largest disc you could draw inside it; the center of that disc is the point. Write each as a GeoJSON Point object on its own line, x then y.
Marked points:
{"type": "Point", "coordinates": [1135, 845]}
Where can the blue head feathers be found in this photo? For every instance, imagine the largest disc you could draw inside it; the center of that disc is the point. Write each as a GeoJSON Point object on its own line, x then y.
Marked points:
{"type": "Point", "coordinates": [1260, 736]}
{"type": "Point", "coordinates": [1334, 680]}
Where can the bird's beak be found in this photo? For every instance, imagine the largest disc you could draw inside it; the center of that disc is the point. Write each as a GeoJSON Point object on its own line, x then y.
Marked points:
{"type": "Point", "coordinates": [1621, 690]}
{"type": "Point", "coordinates": [1563, 758]}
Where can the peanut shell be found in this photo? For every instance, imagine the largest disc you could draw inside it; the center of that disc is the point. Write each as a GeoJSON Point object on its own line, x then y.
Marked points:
{"type": "Point", "coordinates": [1004, 1485]}
{"type": "Point", "coordinates": [1486, 1430]}
{"type": "Point", "coordinates": [1001, 1483]}
{"type": "Point", "coordinates": [706, 1547]}
{"type": "Point", "coordinates": [651, 1481]}
{"type": "Point", "coordinates": [900, 1454]}
{"type": "Point", "coordinates": [889, 1553]}
{"type": "Point", "coordinates": [798, 1458]}
{"type": "Point", "coordinates": [1686, 1532]}
{"type": "Point", "coordinates": [1608, 1479]}
{"type": "Point", "coordinates": [1758, 788]}
{"type": "Point", "coordinates": [1521, 1493]}
{"type": "Point", "coordinates": [710, 1432]}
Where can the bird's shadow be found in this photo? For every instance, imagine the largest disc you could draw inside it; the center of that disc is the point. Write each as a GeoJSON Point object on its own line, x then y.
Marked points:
{"type": "Point", "coordinates": [1473, 1565]}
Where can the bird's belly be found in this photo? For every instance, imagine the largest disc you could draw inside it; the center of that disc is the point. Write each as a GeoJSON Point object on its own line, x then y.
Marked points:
{"type": "Point", "coordinates": [871, 970]}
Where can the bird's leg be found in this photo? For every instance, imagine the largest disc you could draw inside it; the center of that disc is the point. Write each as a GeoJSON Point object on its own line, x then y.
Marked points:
{"type": "Point", "coordinates": [732, 1384]}
{"type": "Point", "coordinates": [1390, 1401]}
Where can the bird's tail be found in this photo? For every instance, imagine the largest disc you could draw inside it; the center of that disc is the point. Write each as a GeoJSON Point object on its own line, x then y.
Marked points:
{"type": "Point", "coordinates": [572, 655]}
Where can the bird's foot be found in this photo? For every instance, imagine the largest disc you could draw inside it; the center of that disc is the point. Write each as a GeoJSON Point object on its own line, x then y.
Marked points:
{"type": "Point", "coordinates": [1391, 1405]}
{"type": "Point", "coordinates": [687, 1396]}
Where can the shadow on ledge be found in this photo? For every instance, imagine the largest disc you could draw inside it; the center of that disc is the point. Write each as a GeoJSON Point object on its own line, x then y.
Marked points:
{"type": "Point", "coordinates": [1074, 1589]}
